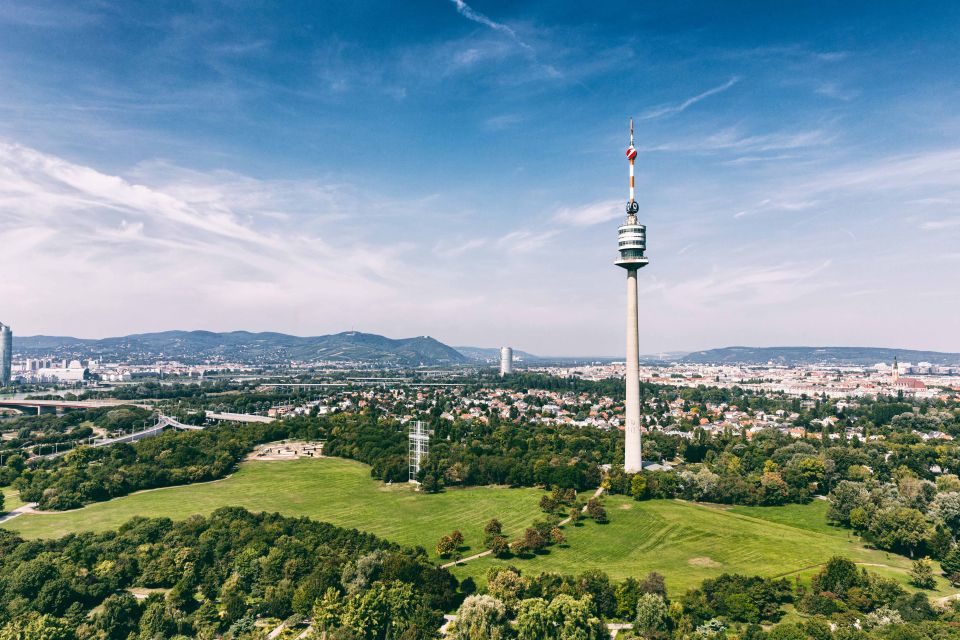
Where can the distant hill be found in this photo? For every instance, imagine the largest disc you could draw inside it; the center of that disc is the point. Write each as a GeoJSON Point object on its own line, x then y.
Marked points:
{"type": "Point", "coordinates": [818, 355]}
{"type": "Point", "coordinates": [244, 346]}
{"type": "Point", "coordinates": [492, 354]}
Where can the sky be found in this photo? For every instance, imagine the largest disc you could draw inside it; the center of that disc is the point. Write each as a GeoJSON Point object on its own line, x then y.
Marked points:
{"type": "Point", "coordinates": [456, 169]}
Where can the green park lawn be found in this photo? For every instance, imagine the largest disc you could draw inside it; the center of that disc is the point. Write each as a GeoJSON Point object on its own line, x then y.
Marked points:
{"type": "Point", "coordinates": [11, 499]}
{"type": "Point", "coordinates": [689, 542]}
{"type": "Point", "coordinates": [686, 542]}
{"type": "Point", "coordinates": [329, 489]}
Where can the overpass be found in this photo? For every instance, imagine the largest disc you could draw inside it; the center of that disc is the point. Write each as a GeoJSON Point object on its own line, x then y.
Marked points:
{"type": "Point", "coordinates": [238, 417]}
{"type": "Point", "coordinates": [163, 422]}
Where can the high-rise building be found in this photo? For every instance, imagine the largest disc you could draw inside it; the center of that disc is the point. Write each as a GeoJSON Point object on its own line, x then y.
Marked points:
{"type": "Point", "coordinates": [506, 361]}
{"type": "Point", "coordinates": [6, 354]}
{"type": "Point", "coordinates": [632, 242]}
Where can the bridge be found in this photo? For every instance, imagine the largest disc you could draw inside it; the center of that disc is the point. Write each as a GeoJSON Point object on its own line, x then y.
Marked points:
{"type": "Point", "coordinates": [238, 417]}
{"type": "Point", "coordinates": [163, 422]}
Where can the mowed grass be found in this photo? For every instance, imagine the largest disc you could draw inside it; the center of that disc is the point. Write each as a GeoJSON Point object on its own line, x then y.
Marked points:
{"type": "Point", "coordinates": [689, 542]}
{"type": "Point", "coordinates": [11, 499]}
{"type": "Point", "coordinates": [328, 489]}
{"type": "Point", "coordinates": [686, 542]}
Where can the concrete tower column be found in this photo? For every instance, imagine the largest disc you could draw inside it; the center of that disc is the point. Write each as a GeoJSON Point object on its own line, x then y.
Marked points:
{"type": "Point", "coordinates": [633, 454]}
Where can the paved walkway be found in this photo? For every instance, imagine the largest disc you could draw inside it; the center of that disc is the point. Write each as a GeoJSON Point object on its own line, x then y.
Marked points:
{"type": "Point", "coordinates": [10, 515]}
{"type": "Point", "coordinates": [482, 554]}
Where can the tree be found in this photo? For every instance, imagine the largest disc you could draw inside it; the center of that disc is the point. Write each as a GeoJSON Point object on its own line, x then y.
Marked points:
{"type": "Point", "coordinates": [499, 546]}
{"type": "Point", "coordinates": [575, 619]}
{"type": "Point", "coordinates": [481, 618]}
{"type": "Point", "coordinates": [951, 563]}
{"type": "Point", "coordinates": [32, 625]}
{"type": "Point", "coordinates": [844, 498]}
{"type": "Point", "coordinates": [382, 611]}
{"type": "Point", "coordinates": [534, 620]}
{"type": "Point", "coordinates": [651, 618]}
{"type": "Point", "coordinates": [548, 504]}
{"type": "Point", "coordinates": [445, 546]}
{"type": "Point", "coordinates": [507, 586]}
{"type": "Point", "coordinates": [457, 538]}
{"type": "Point", "coordinates": [838, 576]}
{"type": "Point", "coordinates": [596, 511]}
{"type": "Point", "coordinates": [327, 611]}
{"type": "Point", "coordinates": [119, 617]}
{"type": "Point", "coordinates": [627, 593]}
{"type": "Point", "coordinates": [654, 583]}
{"type": "Point", "coordinates": [900, 528]}
{"type": "Point", "coordinates": [492, 528]}
{"type": "Point", "coordinates": [556, 536]}
{"type": "Point", "coordinates": [534, 540]}
{"type": "Point", "coordinates": [638, 486]}
{"type": "Point", "coordinates": [921, 574]}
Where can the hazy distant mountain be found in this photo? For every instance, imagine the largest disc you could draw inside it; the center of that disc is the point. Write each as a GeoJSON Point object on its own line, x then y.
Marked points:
{"type": "Point", "coordinates": [492, 354]}
{"type": "Point", "coordinates": [243, 346]}
{"type": "Point", "coordinates": [818, 355]}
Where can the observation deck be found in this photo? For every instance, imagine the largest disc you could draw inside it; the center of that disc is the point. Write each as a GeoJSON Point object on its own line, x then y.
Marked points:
{"type": "Point", "coordinates": [632, 242]}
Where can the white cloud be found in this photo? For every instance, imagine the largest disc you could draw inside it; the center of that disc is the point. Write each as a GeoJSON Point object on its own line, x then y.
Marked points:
{"type": "Point", "coordinates": [467, 12]}
{"type": "Point", "coordinates": [733, 139]}
{"type": "Point", "coordinates": [591, 214]}
{"type": "Point", "coordinates": [666, 110]}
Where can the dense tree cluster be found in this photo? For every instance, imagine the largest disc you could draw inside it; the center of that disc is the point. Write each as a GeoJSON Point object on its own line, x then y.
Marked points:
{"type": "Point", "coordinates": [842, 602]}
{"type": "Point", "coordinates": [88, 474]}
{"type": "Point", "coordinates": [213, 577]}
{"type": "Point", "coordinates": [908, 515]}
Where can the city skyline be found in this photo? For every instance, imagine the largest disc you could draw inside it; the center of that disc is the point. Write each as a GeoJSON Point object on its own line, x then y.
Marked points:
{"type": "Point", "coordinates": [408, 171]}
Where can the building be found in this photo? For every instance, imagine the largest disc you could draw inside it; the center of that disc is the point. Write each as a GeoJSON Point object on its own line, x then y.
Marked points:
{"type": "Point", "coordinates": [6, 355]}
{"type": "Point", "coordinates": [631, 243]}
{"type": "Point", "coordinates": [506, 361]}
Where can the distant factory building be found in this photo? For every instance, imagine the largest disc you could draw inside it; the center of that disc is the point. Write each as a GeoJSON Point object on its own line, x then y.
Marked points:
{"type": "Point", "coordinates": [506, 361]}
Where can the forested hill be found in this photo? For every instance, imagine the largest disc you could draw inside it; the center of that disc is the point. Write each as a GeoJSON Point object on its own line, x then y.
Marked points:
{"type": "Point", "coordinates": [244, 346]}
{"type": "Point", "coordinates": [818, 355]}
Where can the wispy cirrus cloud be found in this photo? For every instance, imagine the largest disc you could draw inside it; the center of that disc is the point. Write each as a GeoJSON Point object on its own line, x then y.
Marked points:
{"type": "Point", "coordinates": [667, 110]}
{"type": "Point", "coordinates": [470, 14]}
{"type": "Point", "coordinates": [735, 139]}
{"type": "Point", "coordinates": [591, 214]}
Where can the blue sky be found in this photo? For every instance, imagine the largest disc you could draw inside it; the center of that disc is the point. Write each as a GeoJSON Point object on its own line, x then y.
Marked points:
{"type": "Point", "coordinates": [456, 169]}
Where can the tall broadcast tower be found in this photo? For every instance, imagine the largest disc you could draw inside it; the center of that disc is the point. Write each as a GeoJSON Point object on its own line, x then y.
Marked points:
{"type": "Point", "coordinates": [632, 242]}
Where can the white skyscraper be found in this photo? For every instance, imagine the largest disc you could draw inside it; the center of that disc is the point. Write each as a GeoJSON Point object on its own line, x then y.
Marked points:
{"type": "Point", "coordinates": [632, 242]}
{"type": "Point", "coordinates": [6, 354]}
{"type": "Point", "coordinates": [506, 361]}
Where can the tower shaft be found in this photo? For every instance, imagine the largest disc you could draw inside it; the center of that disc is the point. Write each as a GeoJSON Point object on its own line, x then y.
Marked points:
{"type": "Point", "coordinates": [632, 451]}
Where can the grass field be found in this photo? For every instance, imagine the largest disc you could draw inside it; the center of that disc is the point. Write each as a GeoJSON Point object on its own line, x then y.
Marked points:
{"type": "Point", "coordinates": [688, 542]}
{"type": "Point", "coordinates": [11, 499]}
{"type": "Point", "coordinates": [330, 489]}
